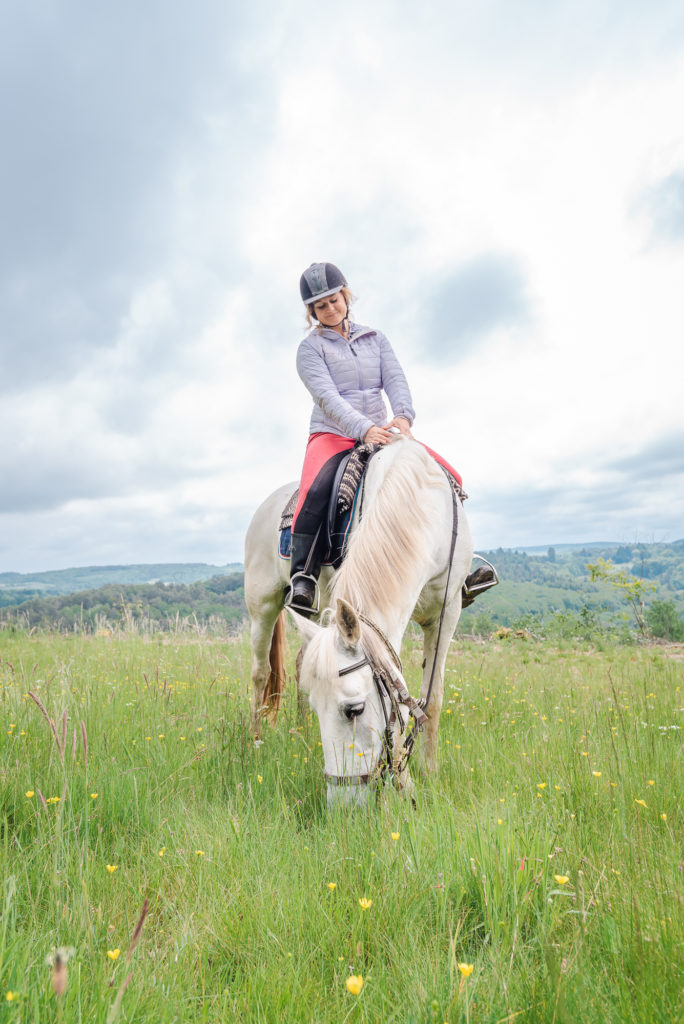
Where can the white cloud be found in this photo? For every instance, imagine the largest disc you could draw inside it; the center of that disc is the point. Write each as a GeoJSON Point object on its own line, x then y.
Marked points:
{"type": "Point", "coordinates": [150, 311]}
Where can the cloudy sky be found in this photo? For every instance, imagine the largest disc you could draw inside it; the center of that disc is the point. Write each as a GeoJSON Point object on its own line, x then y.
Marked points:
{"type": "Point", "coordinates": [501, 182]}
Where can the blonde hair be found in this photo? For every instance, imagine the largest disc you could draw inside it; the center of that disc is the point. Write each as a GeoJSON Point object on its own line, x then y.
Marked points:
{"type": "Point", "coordinates": [311, 320]}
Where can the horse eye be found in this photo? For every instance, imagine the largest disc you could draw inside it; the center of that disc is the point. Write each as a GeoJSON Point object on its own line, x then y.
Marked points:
{"type": "Point", "coordinates": [354, 710]}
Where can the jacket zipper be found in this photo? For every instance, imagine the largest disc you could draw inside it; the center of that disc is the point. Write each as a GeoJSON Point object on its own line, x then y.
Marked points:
{"type": "Point", "coordinates": [358, 373]}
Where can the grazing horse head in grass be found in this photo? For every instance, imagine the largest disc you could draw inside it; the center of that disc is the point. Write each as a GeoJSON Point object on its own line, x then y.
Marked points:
{"type": "Point", "coordinates": [407, 558]}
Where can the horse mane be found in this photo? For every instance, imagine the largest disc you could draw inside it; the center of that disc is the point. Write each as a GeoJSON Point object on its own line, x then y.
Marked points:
{"type": "Point", "coordinates": [388, 549]}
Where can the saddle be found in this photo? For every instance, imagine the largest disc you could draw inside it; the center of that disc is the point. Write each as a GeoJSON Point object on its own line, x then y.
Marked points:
{"type": "Point", "coordinates": [346, 489]}
{"type": "Point", "coordinates": [344, 494]}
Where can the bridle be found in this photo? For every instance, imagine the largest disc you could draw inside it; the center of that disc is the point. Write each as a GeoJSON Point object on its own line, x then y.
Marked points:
{"type": "Point", "coordinates": [392, 691]}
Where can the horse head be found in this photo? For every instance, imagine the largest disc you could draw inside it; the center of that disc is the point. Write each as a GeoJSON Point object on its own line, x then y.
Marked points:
{"type": "Point", "coordinates": [361, 721]}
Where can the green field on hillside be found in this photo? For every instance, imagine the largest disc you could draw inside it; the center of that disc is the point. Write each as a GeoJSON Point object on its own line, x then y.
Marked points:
{"type": "Point", "coordinates": [541, 591]}
{"type": "Point", "coordinates": [192, 873]}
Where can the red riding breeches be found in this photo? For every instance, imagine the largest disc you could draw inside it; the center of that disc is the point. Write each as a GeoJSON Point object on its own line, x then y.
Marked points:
{"type": "Point", "coordinates": [323, 455]}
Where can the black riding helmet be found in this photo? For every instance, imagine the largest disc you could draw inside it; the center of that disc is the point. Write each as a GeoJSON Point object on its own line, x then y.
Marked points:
{"type": "Point", "coordinates": [319, 281]}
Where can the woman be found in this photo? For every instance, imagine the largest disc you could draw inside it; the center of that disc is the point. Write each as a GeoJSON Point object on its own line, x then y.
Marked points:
{"type": "Point", "coordinates": [345, 367]}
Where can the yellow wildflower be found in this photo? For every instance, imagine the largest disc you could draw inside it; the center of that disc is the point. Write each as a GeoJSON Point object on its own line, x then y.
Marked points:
{"type": "Point", "coordinates": [562, 879]}
{"type": "Point", "coordinates": [354, 984]}
{"type": "Point", "coordinates": [162, 851]}
{"type": "Point", "coordinates": [664, 816]}
{"type": "Point", "coordinates": [113, 953]}
{"type": "Point", "coordinates": [541, 785]}
{"type": "Point", "coordinates": [30, 793]}
{"type": "Point", "coordinates": [642, 803]}
{"type": "Point", "coordinates": [466, 969]}
{"type": "Point", "coordinates": [651, 782]}
{"type": "Point", "coordinates": [332, 886]}
{"type": "Point", "coordinates": [199, 853]}
{"type": "Point", "coordinates": [395, 836]}
{"type": "Point", "coordinates": [597, 775]}
{"type": "Point", "coordinates": [365, 903]}
{"type": "Point", "coordinates": [94, 796]}
{"type": "Point", "coordinates": [111, 868]}
{"type": "Point", "coordinates": [259, 779]}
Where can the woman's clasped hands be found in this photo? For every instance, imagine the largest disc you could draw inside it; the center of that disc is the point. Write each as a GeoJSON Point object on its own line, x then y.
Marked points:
{"type": "Point", "coordinates": [383, 435]}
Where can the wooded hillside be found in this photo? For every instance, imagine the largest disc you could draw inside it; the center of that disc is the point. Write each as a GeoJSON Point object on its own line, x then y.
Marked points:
{"type": "Point", "coordinates": [534, 588]}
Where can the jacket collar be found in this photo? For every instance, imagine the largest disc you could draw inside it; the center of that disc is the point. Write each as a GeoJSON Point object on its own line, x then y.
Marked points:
{"type": "Point", "coordinates": [356, 331]}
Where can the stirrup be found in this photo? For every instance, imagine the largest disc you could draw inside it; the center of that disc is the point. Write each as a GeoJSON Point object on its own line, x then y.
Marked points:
{"type": "Point", "coordinates": [480, 580]}
{"type": "Point", "coordinates": [292, 600]}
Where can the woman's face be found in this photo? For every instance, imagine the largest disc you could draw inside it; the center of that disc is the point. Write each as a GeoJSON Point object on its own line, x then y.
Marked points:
{"type": "Point", "coordinates": [331, 311]}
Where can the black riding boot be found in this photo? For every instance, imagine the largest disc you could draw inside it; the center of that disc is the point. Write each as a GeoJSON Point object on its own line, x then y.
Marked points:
{"type": "Point", "coordinates": [305, 565]}
{"type": "Point", "coordinates": [481, 579]}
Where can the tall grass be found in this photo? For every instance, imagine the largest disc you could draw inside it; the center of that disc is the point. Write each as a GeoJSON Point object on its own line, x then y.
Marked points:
{"type": "Point", "coordinates": [556, 763]}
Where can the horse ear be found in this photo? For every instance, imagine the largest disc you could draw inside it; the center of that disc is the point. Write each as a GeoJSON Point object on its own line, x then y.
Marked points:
{"type": "Point", "coordinates": [348, 624]}
{"type": "Point", "coordinates": [306, 627]}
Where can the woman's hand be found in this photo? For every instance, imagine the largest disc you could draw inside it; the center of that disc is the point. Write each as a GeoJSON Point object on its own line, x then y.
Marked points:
{"type": "Point", "coordinates": [401, 424]}
{"type": "Point", "coordinates": [378, 435]}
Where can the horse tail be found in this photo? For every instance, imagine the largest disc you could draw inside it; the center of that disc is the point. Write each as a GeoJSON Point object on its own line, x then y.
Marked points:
{"type": "Point", "coordinates": [275, 683]}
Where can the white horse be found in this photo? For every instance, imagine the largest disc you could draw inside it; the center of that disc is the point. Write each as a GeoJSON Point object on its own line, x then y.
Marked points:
{"type": "Point", "coordinates": [402, 562]}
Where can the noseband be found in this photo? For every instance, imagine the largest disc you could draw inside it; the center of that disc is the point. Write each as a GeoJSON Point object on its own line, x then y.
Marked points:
{"type": "Point", "coordinates": [390, 687]}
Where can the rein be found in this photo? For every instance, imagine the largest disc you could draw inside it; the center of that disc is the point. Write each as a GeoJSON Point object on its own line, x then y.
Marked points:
{"type": "Point", "coordinates": [393, 687]}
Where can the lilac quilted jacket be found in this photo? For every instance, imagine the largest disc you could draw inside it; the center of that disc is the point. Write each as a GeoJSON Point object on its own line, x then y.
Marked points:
{"type": "Point", "coordinates": [346, 380]}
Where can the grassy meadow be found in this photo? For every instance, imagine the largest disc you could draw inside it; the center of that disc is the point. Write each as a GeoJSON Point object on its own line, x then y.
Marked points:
{"type": "Point", "coordinates": [193, 874]}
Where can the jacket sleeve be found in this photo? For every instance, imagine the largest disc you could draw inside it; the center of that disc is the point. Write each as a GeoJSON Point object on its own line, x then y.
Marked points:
{"type": "Point", "coordinates": [313, 370]}
{"type": "Point", "coordinates": [394, 382]}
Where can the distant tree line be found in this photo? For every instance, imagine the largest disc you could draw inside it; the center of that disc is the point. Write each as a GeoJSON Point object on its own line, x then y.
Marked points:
{"type": "Point", "coordinates": [158, 605]}
{"type": "Point", "coordinates": [549, 594]}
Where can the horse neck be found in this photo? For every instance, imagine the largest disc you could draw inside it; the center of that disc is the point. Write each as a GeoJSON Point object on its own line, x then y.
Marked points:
{"type": "Point", "coordinates": [392, 545]}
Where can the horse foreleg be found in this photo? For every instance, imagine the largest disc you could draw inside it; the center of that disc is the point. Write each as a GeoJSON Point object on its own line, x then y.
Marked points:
{"type": "Point", "coordinates": [262, 637]}
{"type": "Point", "coordinates": [433, 680]}
{"type": "Point", "coordinates": [302, 699]}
